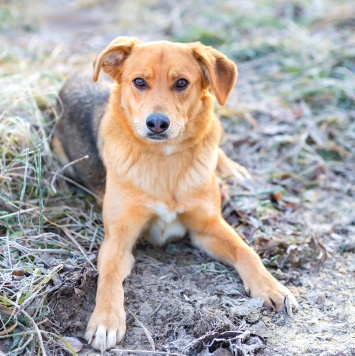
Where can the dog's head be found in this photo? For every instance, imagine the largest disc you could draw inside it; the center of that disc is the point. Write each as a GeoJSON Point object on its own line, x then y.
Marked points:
{"type": "Point", "coordinates": [163, 87]}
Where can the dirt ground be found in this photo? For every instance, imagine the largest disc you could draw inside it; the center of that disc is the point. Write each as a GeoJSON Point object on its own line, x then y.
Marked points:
{"type": "Point", "coordinates": [292, 127]}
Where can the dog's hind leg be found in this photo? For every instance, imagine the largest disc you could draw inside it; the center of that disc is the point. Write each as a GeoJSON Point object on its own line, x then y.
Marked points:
{"type": "Point", "coordinates": [228, 168]}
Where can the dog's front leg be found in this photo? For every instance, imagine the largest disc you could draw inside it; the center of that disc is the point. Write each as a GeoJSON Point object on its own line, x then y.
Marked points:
{"type": "Point", "coordinates": [123, 222]}
{"type": "Point", "coordinates": [218, 239]}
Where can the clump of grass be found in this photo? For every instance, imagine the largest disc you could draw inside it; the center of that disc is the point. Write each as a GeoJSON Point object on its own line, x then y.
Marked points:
{"type": "Point", "coordinates": [40, 233]}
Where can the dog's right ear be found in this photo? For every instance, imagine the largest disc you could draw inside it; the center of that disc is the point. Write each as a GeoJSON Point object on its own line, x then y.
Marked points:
{"type": "Point", "coordinates": [113, 56]}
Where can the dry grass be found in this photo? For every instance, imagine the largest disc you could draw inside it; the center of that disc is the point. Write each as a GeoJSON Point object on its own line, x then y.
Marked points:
{"type": "Point", "coordinates": [291, 122]}
{"type": "Point", "coordinates": [41, 232]}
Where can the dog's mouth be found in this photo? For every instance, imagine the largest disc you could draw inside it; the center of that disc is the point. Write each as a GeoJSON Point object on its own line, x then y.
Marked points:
{"type": "Point", "coordinates": [157, 137]}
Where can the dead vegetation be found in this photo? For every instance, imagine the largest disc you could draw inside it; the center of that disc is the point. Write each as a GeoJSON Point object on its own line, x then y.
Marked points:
{"type": "Point", "coordinates": [290, 121]}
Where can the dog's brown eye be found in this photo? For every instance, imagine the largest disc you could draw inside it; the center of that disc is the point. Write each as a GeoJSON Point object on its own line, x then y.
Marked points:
{"type": "Point", "coordinates": [140, 83]}
{"type": "Point", "coordinates": [181, 84]}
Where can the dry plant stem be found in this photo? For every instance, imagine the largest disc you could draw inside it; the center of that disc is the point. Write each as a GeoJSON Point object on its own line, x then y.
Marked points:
{"type": "Point", "coordinates": [5, 178]}
{"type": "Point", "coordinates": [73, 232]}
{"type": "Point", "coordinates": [12, 314]}
{"type": "Point", "coordinates": [68, 233]}
{"type": "Point", "coordinates": [8, 330]}
{"type": "Point", "coordinates": [62, 169]}
{"type": "Point", "coordinates": [71, 181]}
{"type": "Point", "coordinates": [147, 333]}
{"type": "Point", "coordinates": [19, 212]}
{"type": "Point", "coordinates": [38, 332]}
{"type": "Point", "coordinates": [147, 352]}
{"type": "Point", "coordinates": [75, 242]}
{"type": "Point", "coordinates": [36, 295]}
{"type": "Point", "coordinates": [21, 348]}
{"type": "Point", "coordinates": [30, 332]}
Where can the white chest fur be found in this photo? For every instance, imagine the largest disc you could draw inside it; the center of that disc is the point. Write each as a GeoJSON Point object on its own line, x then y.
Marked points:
{"type": "Point", "coordinates": [167, 226]}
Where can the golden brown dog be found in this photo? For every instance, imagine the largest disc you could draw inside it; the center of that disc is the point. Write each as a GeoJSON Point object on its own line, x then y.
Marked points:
{"type": "Point", "coordinates": [158, 140]}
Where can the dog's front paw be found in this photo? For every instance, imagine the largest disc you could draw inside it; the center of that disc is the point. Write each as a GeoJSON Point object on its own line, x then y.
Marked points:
{"type": "Point", "coordinates": [106, 328]}
{"type": "Point", "coordinates": [273, 293]}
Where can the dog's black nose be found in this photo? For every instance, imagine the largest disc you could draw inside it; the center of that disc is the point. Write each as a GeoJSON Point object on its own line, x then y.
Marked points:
{"type": "Point", "coordinates": [157, 123]}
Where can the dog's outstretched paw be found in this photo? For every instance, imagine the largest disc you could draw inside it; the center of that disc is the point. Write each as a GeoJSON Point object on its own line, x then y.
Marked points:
{"type": "Point", "coordinates": [276, 296]}
{"type": "Point", "coordinates": [106, 329]}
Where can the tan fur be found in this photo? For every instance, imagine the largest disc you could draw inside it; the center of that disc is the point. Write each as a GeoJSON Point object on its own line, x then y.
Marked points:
{"type": "Point", "coordinates": [166, 180]}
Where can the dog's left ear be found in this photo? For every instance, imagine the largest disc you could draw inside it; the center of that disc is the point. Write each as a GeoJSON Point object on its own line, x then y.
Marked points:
{"type": "Point", "coordinates": [219, 72]}
{"type": "Point", "coordinates": [113, 56]}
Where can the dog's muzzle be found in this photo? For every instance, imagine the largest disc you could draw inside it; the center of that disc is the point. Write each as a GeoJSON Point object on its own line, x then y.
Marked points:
{"type": "Point", "coordinates": [157, 124]}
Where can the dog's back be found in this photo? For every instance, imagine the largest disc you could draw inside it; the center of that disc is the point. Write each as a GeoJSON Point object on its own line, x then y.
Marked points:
{"type": "Point", "coordinates": [81, 106]}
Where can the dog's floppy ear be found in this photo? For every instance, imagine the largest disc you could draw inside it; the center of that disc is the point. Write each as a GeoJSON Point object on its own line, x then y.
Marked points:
{"type": "Point", "coordinates": [219, 72]}
{"type": "Point", "coordinates": [111, 58]}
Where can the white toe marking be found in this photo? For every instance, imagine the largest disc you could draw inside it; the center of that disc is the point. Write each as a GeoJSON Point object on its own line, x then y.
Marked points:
{"type": "Point", "coordinates": [111, 338]}
{"type": "Point", "coordinates": [100, 339]}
